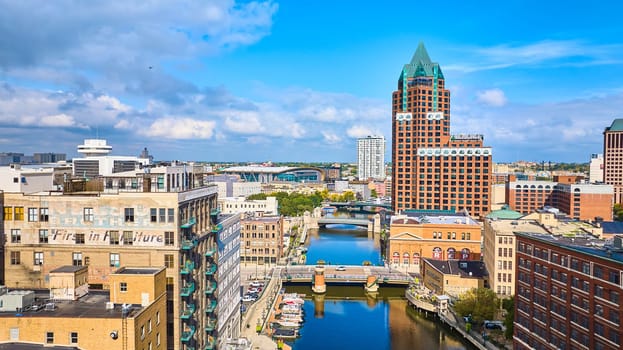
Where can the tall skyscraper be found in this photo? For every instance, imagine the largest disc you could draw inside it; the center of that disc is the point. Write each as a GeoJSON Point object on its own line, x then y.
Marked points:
{"type": "Point", "coordinates": [613, 158]}
{"type": "Point", "coordinates": [371, 157]}
{"type": "Point", "coordinates": [431, 168]}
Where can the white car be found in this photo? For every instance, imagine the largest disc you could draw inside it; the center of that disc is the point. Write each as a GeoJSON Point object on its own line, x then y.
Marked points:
{"type": "Point", "coordinates": [340, 268]}
{"type": "Point", "coordinates": [256, 284]}
{"type": "Point", "coordinates": [248, 298]}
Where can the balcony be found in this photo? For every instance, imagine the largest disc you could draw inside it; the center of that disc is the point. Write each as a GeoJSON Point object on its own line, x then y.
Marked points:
{"type": "Point", "coordinates": [188, 289]}
{"type": "Point", "coordinates": [188, 333]}
{"type": "Point", "coordinates": [211, 270]}
{"type": "Point", "coordinates": [189, 223]}
{"type": "Point", "coordinates": [211, 344]}
{"type": "Point", "coordinates": [210, 288]}
{"type": "Point", "coordinates": [188, 268]}
{"type": "Point", "coordinates": [210, 253]}
{"type": "Point", "coordinates": [188, 244]}
{"type": "Point", "coordinates": [216, 228]}
{"type": "Point", "coordinates": [215, 211]}
{"type": "Point", "coordinates": [210, 325]}
{"type": "Point", "coordinates": [188, 312]}
{"type": "Point", "coordinates": [211, 307]}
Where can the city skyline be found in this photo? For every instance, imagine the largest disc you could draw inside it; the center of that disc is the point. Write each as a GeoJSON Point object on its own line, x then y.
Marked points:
{"type": "Point", "coordinates": [286, 81]}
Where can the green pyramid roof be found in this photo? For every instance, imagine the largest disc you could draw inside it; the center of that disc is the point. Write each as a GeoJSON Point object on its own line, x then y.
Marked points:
{"type": "Point", "coordinates": [421, 65]}
{"type": "Point", "coordinates": [504, 213]}
{"type": "Point", "coordinates": [617, 125]}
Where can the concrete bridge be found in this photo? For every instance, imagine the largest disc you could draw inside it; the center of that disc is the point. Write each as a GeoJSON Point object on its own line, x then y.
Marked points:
{"type": "Point", "coordinates": [343, 221]}
{"type": "Point", "coordinates": [348, 274]}
{"type": "Point", "coordinates": [359, 204]}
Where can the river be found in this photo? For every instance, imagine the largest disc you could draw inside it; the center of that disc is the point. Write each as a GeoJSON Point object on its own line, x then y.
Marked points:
{"type": "Point", "coordinates": [346, 318]}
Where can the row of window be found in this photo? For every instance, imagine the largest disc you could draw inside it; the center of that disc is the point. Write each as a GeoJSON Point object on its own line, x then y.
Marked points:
{"type": "Point", "coordinates": [114, 237]}
{"type": "Point", "coordinates": [161, 215]}
{"type": "Point", "coordinates": [452, 235]}
{"type": "Point", "coordinates": [77, 259]}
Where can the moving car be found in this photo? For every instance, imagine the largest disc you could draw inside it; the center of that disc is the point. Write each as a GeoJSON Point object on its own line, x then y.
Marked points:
{"type": "Point", "coordinates": [340, 268]}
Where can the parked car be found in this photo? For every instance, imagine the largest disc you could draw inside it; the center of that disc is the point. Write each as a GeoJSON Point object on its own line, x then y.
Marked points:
{"type": "Point", "coordinates": [256, 284]}
{"type": "Point", "coordinates": [248, 298]}
{"type": "Point", "coordinates": [340, 268]}
{"type": "Point", "coordinates": [493, 324]}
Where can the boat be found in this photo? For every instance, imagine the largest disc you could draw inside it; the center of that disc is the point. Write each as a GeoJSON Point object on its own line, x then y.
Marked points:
{"type": "Point", "coordinates": [289, 324]}
{"type": "Point", "coordinates": [285, 333]}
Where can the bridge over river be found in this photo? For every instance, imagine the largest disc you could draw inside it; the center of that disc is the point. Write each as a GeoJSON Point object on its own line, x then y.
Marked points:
{"type": "Point", "coordinates": [349, 274]}
{"type": "Point", "coordinates": [344, 221]}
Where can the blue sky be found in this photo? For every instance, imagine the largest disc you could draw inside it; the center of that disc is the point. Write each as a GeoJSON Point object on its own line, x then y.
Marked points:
{"type": "Point", "coordinates": [301, 80]}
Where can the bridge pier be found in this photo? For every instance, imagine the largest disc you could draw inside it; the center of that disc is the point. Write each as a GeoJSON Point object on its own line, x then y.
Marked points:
{"type": "Point", "coordinates": [371, 285]}
{"type": "Point", "coordinates": [320, 285]}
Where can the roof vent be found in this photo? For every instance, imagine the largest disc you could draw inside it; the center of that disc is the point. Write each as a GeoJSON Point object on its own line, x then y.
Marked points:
{"type": "Point", "coordinates": [110, 305]}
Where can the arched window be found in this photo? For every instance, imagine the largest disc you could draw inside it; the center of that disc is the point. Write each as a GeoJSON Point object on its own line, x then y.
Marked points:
{"type": "Point", "coordinates": [451, 253]}
{"type": "Point", "coordinates": [465, 254]}
{"type": "Point", "coordinates": [437, 253]}
{"type": "Point", "coordinates": [396, 258]}
{"type": "Point", "coordinates": [416, 259]}
{"type": "Point", "coordinates": [405, 258]}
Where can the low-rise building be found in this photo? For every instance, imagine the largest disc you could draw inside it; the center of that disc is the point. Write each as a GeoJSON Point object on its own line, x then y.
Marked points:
{"type": "Point", "coordinates": [261, 239]}
{"type": "Point", "coordinates": [237, 205]}
{"type": "Point", "coordinates": [434, 234]}
{"type": "Point", "coordinates": [453, 277]}
{"type": "Point", "coordinates": [132, 315]}
{"type": "Point", "coordinates": [15, 178]}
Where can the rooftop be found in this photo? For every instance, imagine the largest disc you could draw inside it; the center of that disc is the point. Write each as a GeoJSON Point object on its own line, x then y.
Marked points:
{"type": "Point", "coordinates": [617, 125]}
{"type": "Point", "coordinates": [611, 227]}
{"type": "Point", "coordinates": [138, 271]}
{"type": "Point", "coordinates": [463, 268]}
{"type": "Point", "coordinates": [504, 213]}
{"type": "Point", "coordinates": [92, 305]}
{"type": "Point", "coordinates": [26, 346]}
{"type": "Point", "coordinates": [510, 226]}
{"type": "Point", "coordinates": [261, 169]}
{"type": "Point", "coordinates": [433, 217]}
{"type": "Point", "coordinates": [584, 244]}
{"type": "Point", "coordinates": [68, 269]}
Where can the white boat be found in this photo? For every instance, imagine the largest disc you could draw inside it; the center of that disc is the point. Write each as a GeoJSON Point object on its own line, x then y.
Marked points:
{"type": "Point", "coordinates": [288, 323]}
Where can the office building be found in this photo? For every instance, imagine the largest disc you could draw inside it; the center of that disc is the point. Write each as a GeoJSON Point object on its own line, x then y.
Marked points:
{"type": "Point", "coordinates": [132, 315]}
{"type": "Point", "coordinates": [261, 239]}
{"type": "Point", "coordinates": [613, 158]}
{"type": "Point", "coordinates": [237, 205]}
{"type": "Point", "coordinates": [438, 235]}
{"type": "Point", "coordinates": [15, 178]}
{"type": "Point", "coordinates": [596, 169]}
{"type": "Point", "coordinates": [97, 161]}
{"type": "Point", "coordinates": [568, 292]}
{"type": "Point", "coordinates": [432, 169]}
{"type": "Point", "coordinates": [164, 218]}
{"type": "Point", "coordinates": [371, 157]}
{"type": "Point", "coordinates": [580, 201]}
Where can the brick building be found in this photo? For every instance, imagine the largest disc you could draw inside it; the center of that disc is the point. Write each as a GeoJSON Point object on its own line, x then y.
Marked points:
{"type": "Point", "coordinates": [433, 169]}
{"type": "Point", "coordinates": [568, 293]}
{"type": "Point", "coordinates": [134, 220]}
{"type": "Point", "coordinates": [580, 201]}
{"type": "Point", "coordinates": [261, 239]}
{"type": "Point", "coordinates": [613, 158]}
{"type": "Point", "coordinates": [432, 234]}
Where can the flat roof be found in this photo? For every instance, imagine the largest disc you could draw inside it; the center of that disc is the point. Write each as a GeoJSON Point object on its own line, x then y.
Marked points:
{"type": "Point", "coordinates": [584, 244]}
{"type": "Point", "coordinates": [434, 217]}
{"type": "Point", "coordinates": [27, 346]}
{"type": "Point", "coordinates": [508, 227]}
{"type": "Point", "coordinates": [68, 269]}
{"type": "Point", "coordinates": [92, 305]}
{"type": "Point", "coordinates": [137, 271]}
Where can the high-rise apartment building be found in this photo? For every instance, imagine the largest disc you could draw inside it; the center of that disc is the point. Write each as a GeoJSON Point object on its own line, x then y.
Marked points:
{"type": "Point", "coordinates": [432, 169]}
{"type": "Point", "coordinates": [613, 158]}
{"type": "Point", "coordinates": [596, 168]}
{"type": "Point", "coordinates": [371, 157]}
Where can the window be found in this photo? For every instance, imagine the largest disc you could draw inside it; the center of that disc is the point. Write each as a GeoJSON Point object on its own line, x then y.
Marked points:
{"type": "Point", "coordinates": [8, 213]}
{"type": "Point", "coordinates": [157, 339]}
{"type": "Point", "coordinates": [127, 237]}
{"type": "Point", "coordinates": [15, 258]}
{"type": "Point", "coordinates": [149, 326]}
{"type": "Point", "coordinates": [142, 332]}
{"type": "Point", "coordinates": [16, 235]}
{"type": "Point", "coordinates": [38, 258]}
{"type": "Point", "coordinates": [73, 337]}
{"type": "Point", "coordinates": [32, 214]}
{"type": "Point", "coordinates": [43, 236]}
{"type": "Point", "coordinates": [114, 237]}
{"type": "Point", "coordinates": [87, 214]}
{"type": "Point", "coordinates": [170, 215]}
{"type": "Point", "coordinates": [19, 213]}
{"type": "Point", "coordinates": [169, 238]}
{"type": "Point", "coordinates": [44, 214]}
{"type": "Point", "coordinates": [49, 337]}
{"type": "Point", "coordinates": [123, 286]}
{"type": "Point", "coordinates": [129, 214]}
{"type": "Point", "coordinates": [162, 215]}
{"type": "Point", "coordinates": [114, 259]}
{"type": "Point", "coordinates": [158, 318]}
{"type": "Point", "coordinates": [168, 260]}
{"type": "Point", "coordinates": [153, 214]}
{"type": "Point", "coordinates": [79, 238]}
{"type": "Point", "coordinates": [76, 259]}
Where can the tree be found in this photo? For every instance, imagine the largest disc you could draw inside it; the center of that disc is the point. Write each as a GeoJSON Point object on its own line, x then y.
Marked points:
{"type": "Point", "coordinates": [373, 193]}
{"type": "Point", "coordinates": [480, 303]}
{"type": "Point", "coordinates": [617, 211]}
{"type": "Point", "coordinates": [257, 196]}
{"type": "Point", "coordinates": [509, 306]}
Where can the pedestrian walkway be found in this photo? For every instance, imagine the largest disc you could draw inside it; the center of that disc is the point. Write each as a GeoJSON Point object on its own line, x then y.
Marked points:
{"type": "Point", "coordinates": [254, 320]}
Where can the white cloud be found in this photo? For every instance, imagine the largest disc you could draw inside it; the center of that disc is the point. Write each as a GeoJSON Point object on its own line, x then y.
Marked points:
{"type": "Point", "coordinates": [492, 97]}
{"type": "Point", "coordinates": [330, 137]}
{"type": "Point", "coordinates": [180, 128]}
{"type": "Point", "coordinates": [358, 131]}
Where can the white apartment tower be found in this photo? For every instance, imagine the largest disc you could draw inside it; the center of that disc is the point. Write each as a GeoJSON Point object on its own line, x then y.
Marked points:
{"type": "Point", "coordinates": [371, 157]}
{"type": "Point", "coordinates": [596, 170]}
